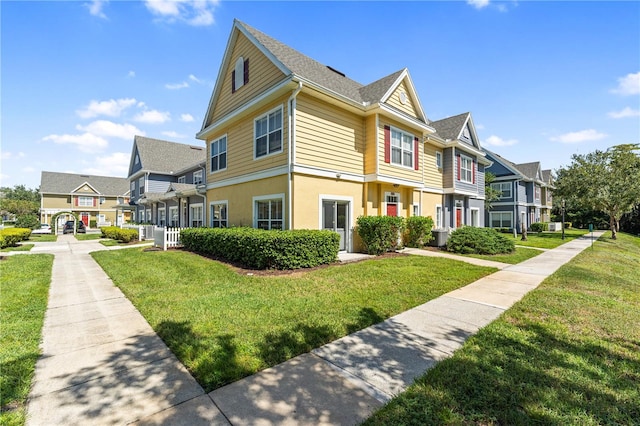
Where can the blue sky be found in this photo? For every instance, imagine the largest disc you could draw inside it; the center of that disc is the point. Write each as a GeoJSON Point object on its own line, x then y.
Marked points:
{"type": "Point", "coordinates": [543, 80]}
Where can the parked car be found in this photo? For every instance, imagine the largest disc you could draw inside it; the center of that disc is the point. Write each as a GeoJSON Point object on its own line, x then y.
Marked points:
{"type": "Point", "coordinates": [68, 227]}
{"type": "Point", "coordinates": [44, 229]}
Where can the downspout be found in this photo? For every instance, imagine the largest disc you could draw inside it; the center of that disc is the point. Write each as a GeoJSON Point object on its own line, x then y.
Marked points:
{"type": "Point", "coordinates": [291, 143]}
{"type": "Point", "coordinates": [204, 197]}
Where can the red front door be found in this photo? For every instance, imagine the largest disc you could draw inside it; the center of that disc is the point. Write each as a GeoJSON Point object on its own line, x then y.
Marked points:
{"type": "Point", "coordinates": [458, 217]}
{"type": "Point", "coordinates": [84, 217]}
{"type": "Point", "coordinates": [392, 209]}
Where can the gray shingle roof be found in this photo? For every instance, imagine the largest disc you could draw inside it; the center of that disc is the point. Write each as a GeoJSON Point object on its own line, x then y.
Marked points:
{"type": "Point", "coordinates": [163, 156]}
{"type": "Point", "coordinates": [318, 73]}
{"type": "Point", "coordinates": [450, 128]}
{"type": "Point", "coordinates": [546, 176]}
{"type": "Point", "coordinates": [530, 170]}
{"type": "Point", "coordinates": [65, 183]}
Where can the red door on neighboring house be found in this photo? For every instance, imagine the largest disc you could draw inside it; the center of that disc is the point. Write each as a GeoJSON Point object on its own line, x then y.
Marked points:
{"type": "Point", "coordinates": [392, 209]}
{"type": "Point", "coordinates": [84, 217]}
{"type": "Point", "coordinates": [458, 217]}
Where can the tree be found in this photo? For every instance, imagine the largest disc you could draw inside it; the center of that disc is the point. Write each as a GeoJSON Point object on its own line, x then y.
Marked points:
{"type": "Point", "coordinates": [19, 200]}
{"type": "Point", "coordinates": [606, 181]}
{"type": "Point", "coordinates": [491, 195]}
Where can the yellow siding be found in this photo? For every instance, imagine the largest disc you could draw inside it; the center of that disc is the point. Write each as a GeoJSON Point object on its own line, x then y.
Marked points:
{"type": "Point", "coordinates": [56, 201]}
{"type": "Point", "coordinates": [240, 198]}
{"type": "Point", "coordinates": [432, 175]}
{"type": "Point", "coordinates": [328, 137]}
{"type": "Point", "coordinates": [370, 145]}
{"type": "Point", "coordinates": [408, 107]}
{"type": "Point", "coordinates": [393, 170]}
{"type": "Point", "coordinates": [429, 202]}
{"type": "Point", "coordinates": [85, 189]}
{"type": "Point", "coordinates": [240, 146]}
{"type": "Point", "coordinates": [262, 75]}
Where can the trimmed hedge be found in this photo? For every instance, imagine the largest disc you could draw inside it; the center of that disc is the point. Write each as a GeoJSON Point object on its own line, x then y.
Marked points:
{"type": "Point", "coordinates": [380, 234]}
{"type": "Point", "coordinates": [418, 231]}
{"type": "Point", "coordinates": [471, 240]}
{"type": "Point", "coordinates": [260, 249]}
{"type": "Point", "coordinates": [539, 226]}
{"type": "Point", "coordinates": [10, 237]}
{"type": "Point", "coordinates": [115, 233]}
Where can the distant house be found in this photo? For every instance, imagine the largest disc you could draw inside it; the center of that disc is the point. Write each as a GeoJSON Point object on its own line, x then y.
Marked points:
{"type": "Point", "coordinates": [167, 182]}
{"type": "Point", "coordinates": [91, 198]}
{"type": "Point", "coordinates": [526, 193]}
{"type": "Point", "coordinates": [463, 163]}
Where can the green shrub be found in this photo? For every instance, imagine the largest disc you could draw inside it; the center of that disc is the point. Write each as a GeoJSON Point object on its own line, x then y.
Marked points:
{"type": "Point", "coordinates": [418, 231]}
{"type": "Point", "coordinates": [567, 225]}
{"type": "Point", "coordinates": [380, 234]}
{"type": "Point", "coordinates": [125, 235]}
{"type": "Point", "coordinates": [93, 224]}
{"type": "Point", "coordinates": [260, 249]}
{"type": "Point", "coordinates": [470, 240]}
{"type": "Point", "coordinates": [12, 236]}
{"type": "Point", "coordinates": [539, 226]}
{"type": "Point", "coordinates": [30, 221]}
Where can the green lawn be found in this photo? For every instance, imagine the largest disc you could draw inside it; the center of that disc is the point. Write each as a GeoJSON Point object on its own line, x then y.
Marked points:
{"type": "Point", "coordinates": [521, 254]}
{"type": "Point", "coordinates": [567, 354]}
{"type": "Point", "coordinates": [88, 237]}
{"type": "Point", "coordinates": [43, 238]}
{"type": "Point", "coordinates": [24, 287]}
{"type": "Point", "coordinates": [547, 240]}
{"type": "Point", "coordinates": [19, 247]}
{"type": "Point", "coordinates": [224, 326]}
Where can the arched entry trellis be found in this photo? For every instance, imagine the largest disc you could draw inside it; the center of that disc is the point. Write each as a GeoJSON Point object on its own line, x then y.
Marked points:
{"type": "Point", "coordinates": [54, 219]}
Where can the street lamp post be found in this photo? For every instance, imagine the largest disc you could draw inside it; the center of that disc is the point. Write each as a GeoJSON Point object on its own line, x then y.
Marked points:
{"type": "Point", "coordinates": [563, 206]}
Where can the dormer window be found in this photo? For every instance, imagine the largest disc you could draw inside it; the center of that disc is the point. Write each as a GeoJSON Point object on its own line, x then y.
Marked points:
{"type": "Point", "coordinates": [240, 74]}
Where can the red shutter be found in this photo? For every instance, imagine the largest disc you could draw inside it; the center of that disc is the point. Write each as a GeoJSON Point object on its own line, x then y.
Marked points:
{"type": "Point", "coordinates": [94, 201]}
{"type": "Point", "coordinates": [246, 71]}
{"type": "Point", "coordinates": [233, 81]}
{"type": "Point", "coordinates": [387, 144]}
{"type": "Point", "coordinates": [76, 198]}
{"type": "Point", "coordinates": [416, 148]}
{"type": "Point", "coordinates": [458, 159]}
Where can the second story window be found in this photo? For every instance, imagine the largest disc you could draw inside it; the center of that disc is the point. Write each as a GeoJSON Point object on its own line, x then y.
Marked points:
{"type": "Point", "coordinates": [439, 160]}
{"type": "Point", "coordinates": [197, 177]}
{"type": "Point", "coordinates": [268, 133]}
{"type": "Point", "coordinates": [466, 169]}
{"type": "Point", "coordinates": [133, 189]}
{"type": "Point", "coordinates": [537, 193]}
{"type": "Point", "coordinates": [401, 148]}
{"type": "Point", "coordinates": [503, 187]}
{"type": "Point", "coordinates": [219, 154]}
{"type": "Point", "coordinates": [85, 201]}
{"type": "Point", "coordinates": [141, 185]}
{"type": "Point", "coordinates": [182, 179]}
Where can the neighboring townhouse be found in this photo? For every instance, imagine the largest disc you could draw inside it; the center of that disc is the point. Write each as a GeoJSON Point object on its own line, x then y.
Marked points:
{"type": "Point", "coordinates": [463, 165]}
{"type": "Point", "coordinates": [525, 192]}
{"type": "Point", "coordinates": [91, 198]}
{"type": "Point", "coordinates": [167, 183]}
{"type": "Point", "coordinates": [546, 200]}
{"type": "Point", "coordinates": [296, 144]}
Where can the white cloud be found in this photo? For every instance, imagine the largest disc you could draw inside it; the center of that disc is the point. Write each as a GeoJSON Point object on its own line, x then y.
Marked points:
{"type": "Point", "coordinates": [111, 108]}
{"type": "Point", "coordinates": [111, 130]}
{"type": "Point", "coordinates": [194, 78]}
{"type": "Point", "coordinates": [116, 164]}
{"type": "Point", "coordinates": [6, 155]}
{"type": "Point", "coordinates": [191, 12]}
{"type": "Point", "coordinates": [494, 140]}
{"type": "Point", "coordinates": [85, 142]}
{"type": "Point", "coordinates": [95, 8]}
{"type": "Point", "coordinates": [29, 169]}
{"type": "Point", "coordinates": [578, 137]}
{"type": "Point", "coordinates": [627, 112]}
{"type": "Point", "coordinates": [628, 85]}
{"type": "Point", "coordinates": [172, 134]}
{"type": "Point", "coordinates": [177, 86]}
{"type": "Point", "coordinates": [478, 4]}
{"type": "Point", "coordinates": [131, 74]}
{"type": "Point", "coordinates": [152, 117]}
{"type": "Point", "coordinates": [187, 118]}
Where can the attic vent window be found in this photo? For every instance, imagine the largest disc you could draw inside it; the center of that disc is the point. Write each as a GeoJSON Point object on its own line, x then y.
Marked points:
{"type": "Point", "coordinates": [240, 74]}
{"type": "Point", "coordinates": [336, 71]}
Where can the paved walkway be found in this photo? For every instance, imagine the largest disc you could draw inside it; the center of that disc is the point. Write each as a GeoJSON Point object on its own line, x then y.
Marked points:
{"type": "Point", "coordinates": [103, 364]}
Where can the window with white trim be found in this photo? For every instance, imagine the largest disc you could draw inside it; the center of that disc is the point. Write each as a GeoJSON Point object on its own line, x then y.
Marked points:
{"type": "Point", "coordinates": [173, 216]}
{"type": "Point", "coordinates": [401, 148]}
{"type": "Point", "coordinates": [162, 216]}
{"type": "Point", "coordinates": [501, 219]}
{"type": "Point", "coordinates": [475, 217]}
{"type": "Point", "coordinates": [439, 160]}
{"type": "Point", "coordinates": [218, 154]}
{"type": "Point", "coordinates": [133, 189]}
{"type": "Point", "coordinates": [439, 223]}
{"type": "Point", "coordinates": [141, 185]}
{"type": "Point", "coordinates": [182, 179]}
{"type": "Point", "coordinates": [269, 214]}
{"type": "Point", "coordinates": [466, 169]}
{"type": "Point", "coordinates": [85, 201]}
{"type": "Point", "coordinates": [148, 215]}
{"type": "Point", "coordinates": [503, 187]}
{"type": "Point", "coordinates": [537, 193]}
{"type": "Point", "coordinates": [141, 216]}
{"type": "Point", "coordinates": [268, 133]}
{"type": "Point", "coordinates": [239, 73]}
{"type": "Point", "coordinates": [197, 177]}
{"type": "Point", "coordinates": [196, 215]}
{"type": "Point", "coordinates": [219, 217]}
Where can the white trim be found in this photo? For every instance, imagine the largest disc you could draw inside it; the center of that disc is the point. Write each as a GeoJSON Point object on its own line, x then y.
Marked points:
{"type": "Point", "coordinates": [510, 213]}
{"type": "Point", "coordinates": [350, 219]}
{"type": "Point", "coordinates": [459, 192]}
{"type": "Point", "coordinates": [470, 169]}
{"type": "Point", "coordinates": [268, 197]}
{"type": "Point", "coordinates": [385, 202]}
{"type": "Point", "coordinates": [432, 190]}
{"type": "Point", "coordinates": [87, 184]}
{"type": "Point", "coordinates": [238, 68]}
{"type": "Point", "coordinates": [328, 173]}
{"type": "Point", "coordinates": [218, 203]}
{"type": "Point", "coordinates": [501, 190]}
{"type": "Point", "coordinates": [249, 177]}
{"type": "Point", "coordinates": [194, 206]}
{"type": "Point", "coordinates": [375, 177]}
{"type": "Point", "coordinates": [226, 150]}
{"type": "Point", "coordinates": [415, 99]}
{"type": "Point", "coordinates": [438, 160]}
{"type": "Point", "coordinates": [413, 148]}
{"type": "Point", "coordinates": [261, 116]}
{"type": "Point", "coordinates": [471, 210]}
{"type": "Point", "coordinates": [405, 119]}
{"type": "Point", "coordinates": [439, 218]}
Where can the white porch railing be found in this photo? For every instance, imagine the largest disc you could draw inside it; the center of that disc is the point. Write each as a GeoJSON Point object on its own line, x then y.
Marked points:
{"type": "Point", "coordinates": [145, 232]}
{"type": "Point", "coordinates": [166, 237]}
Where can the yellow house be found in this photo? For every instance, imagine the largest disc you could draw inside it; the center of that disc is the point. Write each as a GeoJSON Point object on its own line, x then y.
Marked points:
{"type": "Point", "coordinates": [94, 199]}
{"type": "Point", "coordinates": [295, 144]}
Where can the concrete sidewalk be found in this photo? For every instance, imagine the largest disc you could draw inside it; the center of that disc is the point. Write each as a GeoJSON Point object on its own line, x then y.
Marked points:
{"type": "Point", "coordinates": [103, 364]}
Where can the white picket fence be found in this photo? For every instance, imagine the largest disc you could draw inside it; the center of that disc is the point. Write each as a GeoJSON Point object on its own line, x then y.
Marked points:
{"type": "Point", "coordinates": [166, 237]}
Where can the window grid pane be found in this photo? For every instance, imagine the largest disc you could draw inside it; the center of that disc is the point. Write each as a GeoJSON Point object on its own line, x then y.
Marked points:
{"type": "Point", "coordinates": [402, 148]}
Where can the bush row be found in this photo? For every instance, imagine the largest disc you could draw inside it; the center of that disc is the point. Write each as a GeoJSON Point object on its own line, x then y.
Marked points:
{"type": "Point", "coordinates": [260, 249]}
{"type": "Point", "coordinates": [10, 237]}
{"type": "Point", "coordinates": [381, 234]}
{"type": "Point", "coordinates": [539, 226]}
{"type": "Point", "coordinates": [116, 233]}
{"type": "Point", "coordinates": [471, 240]}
